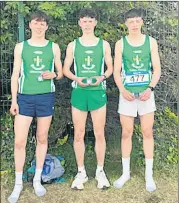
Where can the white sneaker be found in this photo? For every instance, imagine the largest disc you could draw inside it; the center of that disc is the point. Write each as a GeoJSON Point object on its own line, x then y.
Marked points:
{"type": "Point", "coordinates": [119, 183]}
{"type": "Point", "coordinates": [80, 179]}
{"type": "Point", "coordinates": [103, 182]}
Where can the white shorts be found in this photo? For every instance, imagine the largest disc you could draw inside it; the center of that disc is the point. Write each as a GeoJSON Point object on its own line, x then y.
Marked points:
{"type": "Point", "coordinates": [131, 108]}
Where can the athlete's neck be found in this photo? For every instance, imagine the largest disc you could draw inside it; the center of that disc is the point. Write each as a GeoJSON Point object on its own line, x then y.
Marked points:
{"type": "Point", "coordinates": [38, 41]}
{"type": "Point", "coordinates": [136, 39]}
{"type": "Point", "coordinates": [89, 39]}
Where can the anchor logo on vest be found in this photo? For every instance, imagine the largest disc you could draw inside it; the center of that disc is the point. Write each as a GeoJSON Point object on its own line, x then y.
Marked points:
{"type": "Point", "coordinates": [88, 64]}
{"type": "Point", "coordinates": [137, 64]}
{"type": "Point", "coordinates": [37, 67]}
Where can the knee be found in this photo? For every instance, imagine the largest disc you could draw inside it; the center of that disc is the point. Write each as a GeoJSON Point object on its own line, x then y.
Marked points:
{"type": "Point", "coordinates": [147, 133]}
{"type": "Point", "coordinates": [99, 135]}
{"type": "Point", "coordinates": [127, 133]}
{"type": "Point", "coordinates": [79, 135]}
{"type": "Point", "coordinates": [42, 138]}
{"type": "Point", "coordinates": [20, 144]}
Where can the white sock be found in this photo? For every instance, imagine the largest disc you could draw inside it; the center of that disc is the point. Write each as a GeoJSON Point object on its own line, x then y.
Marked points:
{"type": "Point", "coordinates": [82, 170]}
{"type": "Point", "coordinates": [13, 198]}
{"type": "Point", "coordinates": [39, 189]}
{"type": "Point", "coordinates": [150, 183]}
{"type": "Point", "coordinates": [37, 176]}
{"type": "Point", "coordinates": [148, 168]}
{"type": "Point", "coordinates": [18, 180]}
{"type": "Point", "coordinates": [126, 166]}
{"type": "Point", "coordinates": [126, 173]}
{"type": "Point", "coordinates": [99, 168]}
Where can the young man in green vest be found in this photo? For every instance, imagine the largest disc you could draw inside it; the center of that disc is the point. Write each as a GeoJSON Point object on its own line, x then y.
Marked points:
{"type": "Point", "coordinates": [89, 93]}
{"type": "Point", "coordinates": [33, 90]}
{"type": "Point", "coordinates": [135, 56]}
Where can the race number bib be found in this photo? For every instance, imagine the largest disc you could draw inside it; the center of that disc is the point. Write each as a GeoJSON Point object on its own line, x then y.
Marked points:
{"type": "Point", "coordinates": [137, 78]}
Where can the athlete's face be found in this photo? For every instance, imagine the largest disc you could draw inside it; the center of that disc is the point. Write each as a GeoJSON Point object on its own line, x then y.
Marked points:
{"type": "Point", "coordinates": [38, 28]}
{"type": "Point", "coordinates": [134, 25]}
{"type": "Point", "coordinates": [87, 24]}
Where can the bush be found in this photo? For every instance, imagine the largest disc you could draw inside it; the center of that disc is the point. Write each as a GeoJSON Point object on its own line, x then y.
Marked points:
{"type": "Point", "coordinates": [165, 138]}
{"type": "Point", "coordinates": [7, 137]}
{"type": "Point", "coordinates": [165, 135]}
{"type": "Point", "coordinates": [7, 144]}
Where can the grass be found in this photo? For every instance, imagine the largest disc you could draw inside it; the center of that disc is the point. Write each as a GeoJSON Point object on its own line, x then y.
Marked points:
{"type": "Point", "coordinates": [133, 192]}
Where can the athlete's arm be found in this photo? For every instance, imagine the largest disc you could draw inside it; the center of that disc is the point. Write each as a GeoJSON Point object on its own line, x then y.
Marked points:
{"type": "Point", "coordinates": [68, 62]}
{"type": "Point", "coordinates": [57, 61]}
{"type": "Point", "coordinates": [156, 70]}
{"type": "Point", "coordinates": [67, 65]}
{"type": "Point", "coordinates": [58, 65]}
{"type": "Point", "coordinates": [155, 63]}
{"type": "Point", "coordinates": [117, 72]}
{"type": "Point", "coordinates": [108, 59]}
{"type": "Point", "coordinates": [118, 66]}
{"type": "Point", "coordinates": [14, 78]}
{"type": "Point", "coordinates": [109, 64]}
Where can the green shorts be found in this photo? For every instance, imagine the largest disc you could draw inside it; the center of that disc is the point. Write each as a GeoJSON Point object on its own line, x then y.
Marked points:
{"type": "Point", "coordinates": [88, 100]}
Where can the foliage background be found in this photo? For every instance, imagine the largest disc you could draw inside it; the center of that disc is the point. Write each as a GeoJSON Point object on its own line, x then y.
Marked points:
{"type": "Point", "coordinates": [161, 20]}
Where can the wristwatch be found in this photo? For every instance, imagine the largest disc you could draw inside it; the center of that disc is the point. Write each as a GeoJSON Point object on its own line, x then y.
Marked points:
{"type": "Point", "coordinates": [152, 88]}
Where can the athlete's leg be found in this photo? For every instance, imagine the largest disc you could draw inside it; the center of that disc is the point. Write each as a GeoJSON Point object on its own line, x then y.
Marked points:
{"type": "Point", "coordinates": [147, 122]}
{"type": "Point", "coordinates": [79, 122]}
{"type": "Point", "coordinates": [127, 123]}
{"type": "Point", "coordinates": [21, 129]}
{"type": "Point", "coordinates": [99, 119]}
{"type": "Point", "coordinates": [43, 125]}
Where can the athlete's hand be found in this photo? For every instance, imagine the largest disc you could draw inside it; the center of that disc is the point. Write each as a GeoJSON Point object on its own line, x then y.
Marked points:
{"type": "Point", "coordinates": [47, 75]}
{"type": "Point", "coordinates": [14, 110]}
{"type": "Point", "coordinates": [79, 81]}
{"type": "Point", "coordinates": [145, 95]}
{"type": "Point", "coordinates": [127, 95]}
{"type": "Point", "coordinates": [99, 79]}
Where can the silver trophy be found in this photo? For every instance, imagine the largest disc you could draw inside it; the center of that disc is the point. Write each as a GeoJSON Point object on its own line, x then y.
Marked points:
{"type": "Point", "coordinates": [89, 81]}
{"type": "Point", "coordinates": [40, 78]}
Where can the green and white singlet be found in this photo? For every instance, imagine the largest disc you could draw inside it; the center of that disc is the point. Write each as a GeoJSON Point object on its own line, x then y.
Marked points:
{"type": "Point", "coordinates": [89, 62]}
{"type": "Point", "coordinates": [36, 60]}
{"type": "Point", "coordinates": [136, 65]}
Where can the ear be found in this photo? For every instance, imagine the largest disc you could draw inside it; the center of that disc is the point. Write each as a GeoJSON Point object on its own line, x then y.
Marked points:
{"type": "Point", "coordinates": [96, 22]}
{"type": "Point", "coordinates": [30, 25]}
{"type": "Point", "coordinates": [47, 27]}
{"type": "Point", "coordinates": [79, 23]}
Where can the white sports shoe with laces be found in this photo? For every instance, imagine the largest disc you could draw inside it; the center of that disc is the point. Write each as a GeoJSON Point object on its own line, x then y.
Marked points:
{"type": "Point", "coordinates": [103, 182]}
{"type": "Point", "coordinates": [80, 179]}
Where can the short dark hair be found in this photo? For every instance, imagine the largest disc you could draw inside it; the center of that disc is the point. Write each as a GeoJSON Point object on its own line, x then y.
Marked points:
{"type": "Point", "coordinates": [87, 12]}
{"type": "Point", "coordinates": [133, 13]}
{"type": "Point", "coordinates": [39, 16]}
